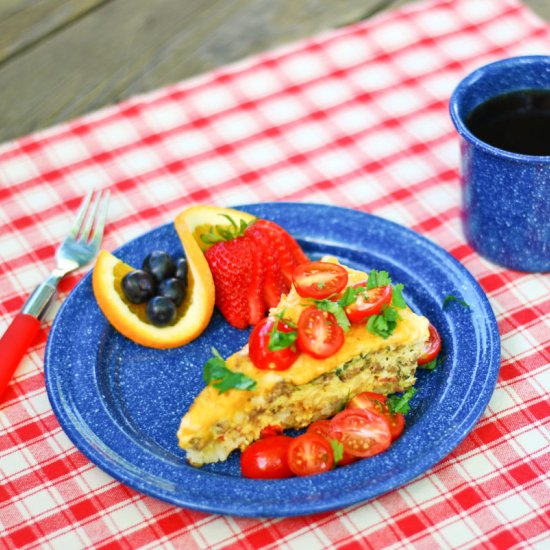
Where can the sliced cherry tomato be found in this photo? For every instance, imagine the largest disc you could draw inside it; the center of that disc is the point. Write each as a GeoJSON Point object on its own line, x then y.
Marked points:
{"type": "Point", "coordinates": [310, 454]}
{"type": "Point", "coordinates": [319, 334]}
{"type": "Point", "coordinates": [322, 428]}
{"type": "Point", "coordinates": [270, 431]}
{"type": "Point", "coordinates": [376, 403]}
{"type": "Point", "coordinates": [258, 347]}
{"type": "Point", "coordinates": [368, 303]}
{"type": "Point", "coordinates": [267, 458]}
{"type": "Point", "coordinates": [396, 423]}
{"type": "Point", "coordinates": [319, 279]}
{"type": "Point", "coordinates": [361, 432]}
{"type": "Point", "coordinates": [431, 347]}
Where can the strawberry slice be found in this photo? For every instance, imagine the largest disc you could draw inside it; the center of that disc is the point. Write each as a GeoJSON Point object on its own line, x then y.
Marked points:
{"type": "Point", "coordinates": [231, 263]}
{"type": "Point", "coordinates": [289, 251]}
{"type": "Point", "coordinates": [256, 305]}
{"type": "Point", "coordinates": [273, 284]}
{"type": "Point", "coordinates": [297, 253]}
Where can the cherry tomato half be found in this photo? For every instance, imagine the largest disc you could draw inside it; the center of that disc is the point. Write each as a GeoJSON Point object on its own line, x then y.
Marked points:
{"type": "Point", "coordinates": [319, 279]}
{"type": "Point", "coordinates": [431, 347]}
{"type": "Point", "coordinates": [368, 303]}
{"type": "Point", "coordinates": [319, 334]}
{"type": "Point", "coordinates": [322, 428]}
{"type": "Point", "coordinates": [361, 432]}
{"type": "Point", "coordinates": [259, 352]}
{"type": "Point", "coordinates": [267, 458]}
{"type": "Point", "coordinates": [310, 454]}
{"type": "Point", "coordinates": [376, 403]}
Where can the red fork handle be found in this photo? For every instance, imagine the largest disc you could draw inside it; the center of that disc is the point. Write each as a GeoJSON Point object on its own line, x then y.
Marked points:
{"type": "Point", "coordinates": [14, 344]}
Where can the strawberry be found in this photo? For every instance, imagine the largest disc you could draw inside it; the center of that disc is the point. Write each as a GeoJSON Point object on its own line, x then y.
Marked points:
{"type": "Point", "coordinates": [251, 266]}
{"type": "Point", "coordinates": [231, 263]}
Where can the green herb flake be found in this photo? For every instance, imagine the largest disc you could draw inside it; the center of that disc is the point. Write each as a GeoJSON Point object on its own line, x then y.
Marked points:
{"type": "Point", "coordinates": [450, 298]}
{"type": "Point", "coordinates": [217, 375]}
{"type": "Point", "coordinates": [384, 323]}
{"type": "Point", "coordinates": [433, 364]}
{"type": "Point", "coordinates": [337, 450]}
{"type": "Point", "coordinates": [336, 309]}
{"type": "Point", "coordinates": [397, 299]}
{"type": "Point", "coordinates": [378, 278]}
{"type": "Point", "coordinates": [349, 296]}
{"type": "Point", "coordinates": [400, 403]}
{"type": "Point", "coordinates": [429, 366]}
{"type": "Point", "coordinates": [279, 340]}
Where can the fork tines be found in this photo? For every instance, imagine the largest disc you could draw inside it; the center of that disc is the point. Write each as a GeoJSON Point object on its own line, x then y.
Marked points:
{"type": "Point", "coordinates": [87, 215]}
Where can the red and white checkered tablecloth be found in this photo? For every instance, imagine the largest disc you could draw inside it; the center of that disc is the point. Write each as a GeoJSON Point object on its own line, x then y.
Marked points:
{"type": "Point", "coordinates": [357, 117]}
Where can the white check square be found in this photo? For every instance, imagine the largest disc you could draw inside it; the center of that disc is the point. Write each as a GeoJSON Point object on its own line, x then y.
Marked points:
{"type": "Point", "coordinates": [186, 144]}
{"type": "Point", "coordinates": [235, 126]}
{"type": "Point", "coordinates": [350, 50]}
{"type": "Point", "coordinates": [328, 93]}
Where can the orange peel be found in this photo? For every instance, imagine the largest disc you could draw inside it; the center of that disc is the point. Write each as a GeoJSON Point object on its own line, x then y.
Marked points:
{"type": "Point", "coordinates": [195, 312]}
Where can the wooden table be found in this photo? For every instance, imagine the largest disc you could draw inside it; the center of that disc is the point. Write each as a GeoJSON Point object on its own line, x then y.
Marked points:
{"type": "Point", "coordinates": [62, 58]}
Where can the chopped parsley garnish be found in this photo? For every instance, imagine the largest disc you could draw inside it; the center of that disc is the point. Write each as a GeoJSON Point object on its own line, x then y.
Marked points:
{"type": "Point", "coordinates": [349, 296]}
{"type": "Point", "coordinates": [429, 366]}
{"type": "Point", "coordinates": [400, 403]}
{"type": "Point", "coordinates": [384, 323]}
{"type": "Point", "coordinates": [450, 298]}
{"type": "Point", "coordinates": [378, 278]}
{"type": "Point", "coordinates": [279, 340]}
{"type": "Point", "coordinates": [337, 450]}
{"type": "Point", "coordinates": [433, 364]}
{"type": "Point", "coordinates": [217, 374]}
{"type": "Point", "coordinates": [336, 308]}
{"type": "Point", "coordinates": [397, 299]}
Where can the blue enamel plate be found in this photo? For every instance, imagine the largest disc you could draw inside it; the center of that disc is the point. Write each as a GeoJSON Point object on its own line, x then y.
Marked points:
{"type": "Point", "coordinates": [121, 403]}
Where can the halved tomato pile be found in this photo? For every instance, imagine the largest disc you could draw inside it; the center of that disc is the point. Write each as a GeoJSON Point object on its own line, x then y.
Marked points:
{"type": "Point", "coordinates": [366, 427]}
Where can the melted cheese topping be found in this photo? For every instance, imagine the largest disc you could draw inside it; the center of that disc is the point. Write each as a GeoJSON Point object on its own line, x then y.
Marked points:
{"type": "Point", "coordinates": [211, 406]}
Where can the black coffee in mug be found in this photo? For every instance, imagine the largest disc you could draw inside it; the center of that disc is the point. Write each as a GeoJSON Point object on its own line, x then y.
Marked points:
{"type": "Point", "coordinates": [518, 122]}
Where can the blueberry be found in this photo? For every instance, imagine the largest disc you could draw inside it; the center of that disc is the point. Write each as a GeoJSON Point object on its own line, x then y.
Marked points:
{"type": "Point", "coordinates": [172, 288]}
{"type": "Point", "coordinates": [161, 311]}
{"type": "Point", "coordinates": [138, 286]}
{"type": "Point", "coordinates": [160, 265]}
{"type": "Point", "coordinates": [181, 270]}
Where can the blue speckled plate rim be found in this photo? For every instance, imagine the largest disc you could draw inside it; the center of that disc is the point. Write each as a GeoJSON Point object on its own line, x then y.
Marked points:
{"type": "Point", "coordinates": [124, 471]}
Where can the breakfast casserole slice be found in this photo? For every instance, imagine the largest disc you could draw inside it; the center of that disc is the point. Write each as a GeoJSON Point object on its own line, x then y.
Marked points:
{"type": "Point", "coordinates": [311, 389]}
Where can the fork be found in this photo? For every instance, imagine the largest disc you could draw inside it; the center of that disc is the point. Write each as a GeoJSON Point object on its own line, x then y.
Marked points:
{"type": "Point", "coordinates": [77, 250]}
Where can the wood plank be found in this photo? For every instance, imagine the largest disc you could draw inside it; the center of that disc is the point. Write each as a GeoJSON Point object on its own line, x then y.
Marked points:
{"type": "Point", "coordinates": [540, 7]}
{"type": "Point", "coordinates": [25, 22]}
{"type": "Point", "coordinates": [132, 46]}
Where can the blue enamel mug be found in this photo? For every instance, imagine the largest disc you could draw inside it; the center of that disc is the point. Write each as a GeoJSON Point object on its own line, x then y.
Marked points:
{"type": "Point", "coordinates": [505, 195]}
